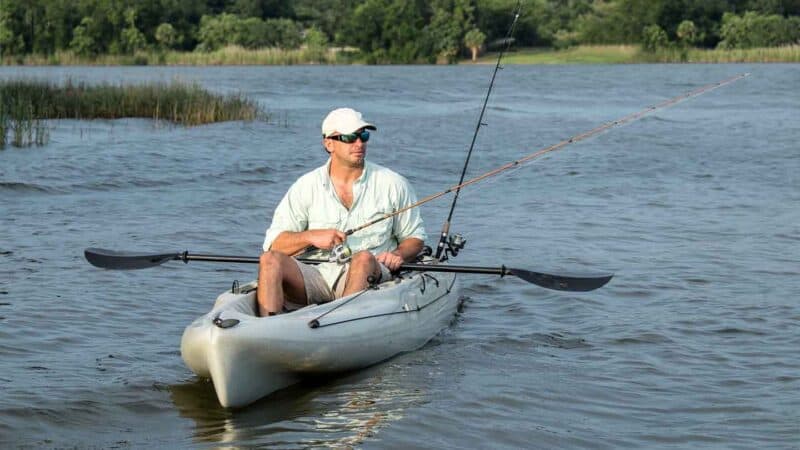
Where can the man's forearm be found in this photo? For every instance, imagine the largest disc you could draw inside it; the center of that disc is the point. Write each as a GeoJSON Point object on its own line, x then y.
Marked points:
{"type": "Point", "coordinates": [409, 249]}
{"type": "Point", "coordinates": [290, 242]}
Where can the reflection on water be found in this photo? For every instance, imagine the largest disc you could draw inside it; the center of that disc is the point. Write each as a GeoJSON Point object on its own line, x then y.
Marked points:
{"type": "Point", "coordinates": [339, 412]}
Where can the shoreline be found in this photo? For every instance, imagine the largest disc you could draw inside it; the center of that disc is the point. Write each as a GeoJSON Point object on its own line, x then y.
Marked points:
{"type": "Point", "coordinates": [584, 54]}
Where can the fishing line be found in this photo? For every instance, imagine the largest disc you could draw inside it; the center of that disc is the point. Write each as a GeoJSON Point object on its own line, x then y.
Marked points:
{"type": "Point", "coordinates": [558, 146]}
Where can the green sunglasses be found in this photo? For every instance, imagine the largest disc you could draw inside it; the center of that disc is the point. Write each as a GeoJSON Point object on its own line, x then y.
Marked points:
{"type": "Point", "coordinates": [350, 138]}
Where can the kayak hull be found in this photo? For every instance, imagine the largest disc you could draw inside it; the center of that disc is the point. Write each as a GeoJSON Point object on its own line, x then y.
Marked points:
{"type": "Point", "coordinates": [255, 356]}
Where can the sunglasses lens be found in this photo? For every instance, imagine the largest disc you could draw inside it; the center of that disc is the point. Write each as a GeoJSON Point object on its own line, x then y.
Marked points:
{"type": "Point", "coordinates": [350, 138]}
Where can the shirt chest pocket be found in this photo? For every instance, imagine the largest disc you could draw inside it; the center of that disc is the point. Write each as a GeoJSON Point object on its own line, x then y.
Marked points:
{"type": "Point", "coordinates": [376, 234]}
{"type": "Point", "coordinates": [318, 220]}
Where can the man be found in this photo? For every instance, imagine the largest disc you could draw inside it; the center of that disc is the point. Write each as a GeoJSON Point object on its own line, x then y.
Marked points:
{"type": "Point", "coordinates": [343, 194]}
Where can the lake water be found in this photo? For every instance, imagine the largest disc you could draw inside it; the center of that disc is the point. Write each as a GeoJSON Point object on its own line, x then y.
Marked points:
{"type": "Point", "coordinates": [693, 344]}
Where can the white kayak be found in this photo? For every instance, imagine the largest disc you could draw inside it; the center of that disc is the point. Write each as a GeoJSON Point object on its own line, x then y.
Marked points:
{"type": "Point", "coordinates": [248, 357]}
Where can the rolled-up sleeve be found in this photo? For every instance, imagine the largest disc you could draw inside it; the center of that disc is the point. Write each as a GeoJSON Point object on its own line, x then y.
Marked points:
{"type": "Point", "coordinates": [290, 215]}
{"type": "Point", "coordinates": [408, 224]}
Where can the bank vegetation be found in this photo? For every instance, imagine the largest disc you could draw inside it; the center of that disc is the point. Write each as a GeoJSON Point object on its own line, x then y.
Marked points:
{"type": "Point", "coordinates": [383, 31]}
{"type": "Point", "coordinates": [26, 105]}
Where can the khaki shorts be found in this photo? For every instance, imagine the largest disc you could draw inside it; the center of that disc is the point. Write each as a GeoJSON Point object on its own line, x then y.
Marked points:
{"type": "Point", "coordinates": [318, 290]}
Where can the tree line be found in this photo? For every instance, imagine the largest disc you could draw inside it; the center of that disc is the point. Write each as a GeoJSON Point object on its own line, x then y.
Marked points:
{"type": "Point", "coordinates": [387, 31]}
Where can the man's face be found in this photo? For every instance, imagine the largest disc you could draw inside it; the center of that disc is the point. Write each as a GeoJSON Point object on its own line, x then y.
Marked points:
{"type": "Point", "coordinates": [348, 149]}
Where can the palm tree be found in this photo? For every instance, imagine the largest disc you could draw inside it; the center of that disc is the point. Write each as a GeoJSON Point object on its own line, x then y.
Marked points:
{"type": "Point", "coordinates": [474, 40]}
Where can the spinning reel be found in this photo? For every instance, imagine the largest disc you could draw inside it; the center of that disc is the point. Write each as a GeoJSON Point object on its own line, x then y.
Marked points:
{"type": "Point", "coordinates": [340, 254]}
{"type": "Point", "coordinates": [455, 242]}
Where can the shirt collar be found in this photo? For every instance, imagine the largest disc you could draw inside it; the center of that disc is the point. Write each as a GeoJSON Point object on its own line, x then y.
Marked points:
{"type": "Point", "coordinates": [326, 173]}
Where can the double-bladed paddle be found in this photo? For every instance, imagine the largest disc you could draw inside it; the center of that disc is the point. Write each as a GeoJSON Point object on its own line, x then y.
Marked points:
{"type": "Point", "coordinates": [111, 259]}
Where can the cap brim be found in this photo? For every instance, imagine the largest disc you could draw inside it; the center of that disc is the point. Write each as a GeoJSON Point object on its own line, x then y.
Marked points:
{"type": "Point", "coordinates": [364, 125]}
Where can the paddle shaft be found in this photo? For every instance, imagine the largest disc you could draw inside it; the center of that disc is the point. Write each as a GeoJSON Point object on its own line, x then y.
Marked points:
{"type": "Point", "coordinates": [112, 259]}
{"type": "Point", "coordinates": [560, 282]}
{"type": "Point", "coordinates": [502, 271]}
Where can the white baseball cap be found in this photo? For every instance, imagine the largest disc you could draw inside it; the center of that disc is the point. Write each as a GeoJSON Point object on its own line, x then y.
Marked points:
{"type": "Point", "coordinates": [344, 121]}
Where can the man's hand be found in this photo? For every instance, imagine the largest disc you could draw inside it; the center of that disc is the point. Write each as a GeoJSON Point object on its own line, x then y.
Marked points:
{"type": "Point", "coordinates": [391, 260]}
{"type": "Point", "coordinates": [325, 239]}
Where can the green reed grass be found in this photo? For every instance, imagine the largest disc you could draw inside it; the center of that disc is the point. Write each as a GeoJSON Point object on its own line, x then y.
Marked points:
{"type": "Point", "coordinates": [786, 54]}
{"type": "Point", "coordinates": [232, 55]}
{"type": "Point", "coordinates": [616, 54]}
{"type": "Point", "coordinates": [17, 119]}
{"type": "Point", "coordinates": [25, 104]}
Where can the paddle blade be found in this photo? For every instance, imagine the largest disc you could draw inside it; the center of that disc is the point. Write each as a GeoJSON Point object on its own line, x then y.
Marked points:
{"type": "Point", "coordinates": [574, 283]}
{"type": "Point", "coordinates": [111, 259]}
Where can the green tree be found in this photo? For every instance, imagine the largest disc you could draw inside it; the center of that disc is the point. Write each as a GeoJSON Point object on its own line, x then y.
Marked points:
{"type": "Point", "coordinates": [184, 15]}
{"type": "Point", "coordinates": [474, 39]}
{"type": "Point", "coordinates": [166, 36]}
{"type": "Point", "coordinates": [402, 31]}
{"type": "Point", "coordinates": [756, 30]}
{"type": "Point", "coordinates": [618, 22]}
{"type": "Point", "coordinates": [83, 42]}
{"type": "Point", "coordinates": [217, 31]}
{"type": "Point", "coordinates": [494, 17]}
{"type": "Point", "coordinates": [12, 37]}
{"type": "Point", "coordinates": [316, 44]}
{"type": "Point", "coordinates": [284, 33]}
{"type": "Point", "coordinates": [687, 33]}
{"type": "Point", "coordinates": [9, 42]}
{"type": "Point", "coordinates": [327, 15]}
{"type": "Point", "coordinates": [654, 38]}
{"type": "Point", "coordinates": [261, 9]}
{"type": "Point", "coordinates": [388, 31]}
{"type": "Point", "coordinates": [446, 29]}
{"type": "Point", "coordinates": [556, 25]}
{"type": "Point", "coordinates": [132, 39]}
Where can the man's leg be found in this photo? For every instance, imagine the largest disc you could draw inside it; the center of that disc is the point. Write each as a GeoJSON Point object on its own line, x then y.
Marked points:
{"type": "Point", "coordinates": [278, 276]}
{"type": "Point", "coordinates": [362, 265]}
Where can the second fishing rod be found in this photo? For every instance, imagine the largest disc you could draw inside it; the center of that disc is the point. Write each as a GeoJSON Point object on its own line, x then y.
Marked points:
{"type": "Point", "coordinates": [445, 233]}
{"type": "Point", "coordinates": [341, 252]}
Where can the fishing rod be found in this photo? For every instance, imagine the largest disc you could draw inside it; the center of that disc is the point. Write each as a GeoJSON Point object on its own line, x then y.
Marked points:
{"type": "Point", "coordinates": [446, 226]}
{"type": "Point", "coordinates": [571, 140]}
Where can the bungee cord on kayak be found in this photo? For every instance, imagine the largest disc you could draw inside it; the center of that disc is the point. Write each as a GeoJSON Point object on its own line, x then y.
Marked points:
{"type": "Point", "coordinates": [314, 323]}
{"type": "Point", "coordinates": [571, 140]}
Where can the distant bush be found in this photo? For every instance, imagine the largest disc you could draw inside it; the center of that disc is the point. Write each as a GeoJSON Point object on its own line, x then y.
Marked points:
{"type": "Point", "coordinates": [688, 34]}
{"type": "Point", "coordinates": [755, 30]}
{"type": "Point", "coordinates": [654, 38]}
{"type": "Point", "coordinates": [167, 37]}
{"type": "Point", "coordinates": [228, 29]}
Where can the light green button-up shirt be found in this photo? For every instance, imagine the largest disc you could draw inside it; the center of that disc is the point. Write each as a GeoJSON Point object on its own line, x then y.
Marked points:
{"type": "Point", "coordinates": [312, 203]}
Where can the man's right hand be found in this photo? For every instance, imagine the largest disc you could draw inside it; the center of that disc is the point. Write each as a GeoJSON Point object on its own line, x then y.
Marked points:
{"type": "Point", "coordinates": [325, 239]}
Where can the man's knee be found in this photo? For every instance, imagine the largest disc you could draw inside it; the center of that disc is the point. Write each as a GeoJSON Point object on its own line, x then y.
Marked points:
{"type": "Point", "coordinates": [363, 259]}
{"type": "Point", "coordinates": [270, 261]}
{"type": "Point", "coordinates": [365, 263]}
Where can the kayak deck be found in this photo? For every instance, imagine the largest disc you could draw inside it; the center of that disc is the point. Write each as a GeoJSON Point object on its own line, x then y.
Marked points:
{"type": "Point", "coordinates": [248, 357]}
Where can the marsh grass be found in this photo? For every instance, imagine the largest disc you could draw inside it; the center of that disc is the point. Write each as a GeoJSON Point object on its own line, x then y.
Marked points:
{"type": "Point", "coordinates": [18, 120]}
{"type": "Point", "coordinates": [25, 105]}
{"type": "Point", "coordinates": [617, 54]}
{"type": "Point", "coordinates": [582, 54]}
{"type": "Point", "coordinates": [231, 55]}
{"type": "Point", "coordinates": [786, 54]}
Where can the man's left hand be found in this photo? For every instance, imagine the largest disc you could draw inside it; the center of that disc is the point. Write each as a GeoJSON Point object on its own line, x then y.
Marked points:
{"type": "Point", "coordinates": [391, 260]}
